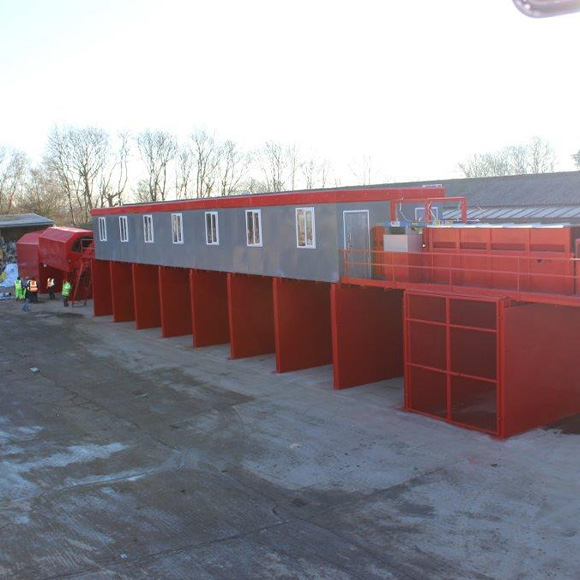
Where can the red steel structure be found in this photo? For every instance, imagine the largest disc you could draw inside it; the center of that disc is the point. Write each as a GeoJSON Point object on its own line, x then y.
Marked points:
{"type": "Point", "coordinates": [482, 322]}
{"type": "Point", "coordinates": [56, 252]}
{"type": "Point", "coordinates": [491, 323]}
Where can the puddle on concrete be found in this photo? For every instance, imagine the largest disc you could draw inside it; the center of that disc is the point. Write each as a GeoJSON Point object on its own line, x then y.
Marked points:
{"type": "Point", "coordinates": [68, 315]}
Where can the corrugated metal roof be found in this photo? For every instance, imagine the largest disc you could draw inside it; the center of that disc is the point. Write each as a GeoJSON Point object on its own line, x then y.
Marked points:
{"type": "Point", "coordinates": [561, 188]}
{"type": "Point", "coordinates": [20, 220]}
{"type": "Point", "coordinates": [515, 214]}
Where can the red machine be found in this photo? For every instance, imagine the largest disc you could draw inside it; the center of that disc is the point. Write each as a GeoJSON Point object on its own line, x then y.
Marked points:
{"type": "Point", "coordinates": [59, 253]}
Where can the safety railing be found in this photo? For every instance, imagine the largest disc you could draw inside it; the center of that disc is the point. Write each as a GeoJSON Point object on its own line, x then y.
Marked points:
{"type": "Point", "coordinates": [542, 272]}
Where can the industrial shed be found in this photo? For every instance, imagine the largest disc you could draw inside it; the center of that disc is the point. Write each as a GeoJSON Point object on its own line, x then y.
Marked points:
{"type": "Point", "coordinates": [540, 198]}
{"type": "Point", "coordinates": [14, 226]}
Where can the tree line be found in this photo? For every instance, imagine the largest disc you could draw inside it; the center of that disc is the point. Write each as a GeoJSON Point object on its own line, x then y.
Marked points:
{"type": "Point", "coordinates": [86, 168]}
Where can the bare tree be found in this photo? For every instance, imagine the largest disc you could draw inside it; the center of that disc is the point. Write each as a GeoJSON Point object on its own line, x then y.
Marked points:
{"type": "Point", "coordinates": [363, 170]}
{"type": "Point", "coordinates": [294, 164]}
{"type": "Point", "coordinates": [77, 158]}
{"type": "Point", "coordinates": [206, 155]}
{"type": "Point", "coordinates": [252, 185]}
{"type": "Point", "coordinates": [42, 195]}
{"type": "Point", "coordinates": [576, 158]}
{"type": "Point", "coordinates": [233, 168]}
{"type": "Point", "coordinates": [273, 163]}
{"type": "Point", "coordinates": [13, 167]}
{"type": "Point", "coordinates": [184, 170]}
{"type": "Point", "coordinates": [541, 156]}
{"type": "Point", "coordinates": [316, 174]}
{"type": "Point", "coordinates": [157, 150]}
{"type": "Point", "coordinates": [538, 156]}
{"type": "Point", "coordinates": [115, 175]}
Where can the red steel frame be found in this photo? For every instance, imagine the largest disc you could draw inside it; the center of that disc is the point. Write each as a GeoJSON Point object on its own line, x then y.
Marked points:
{"type": "Point", "coordinates": [174, 301]}
{"type": "Point", "coordinates": [122, 291]}
{"type": "Point", "coordinates": [209, 307]}
{"type": "Point", "coordinates": [251, 315]}
{"type": "Point", "coordinates": [102, 295]}
{"type": "Point", "coordinates": [367, 335]}
{"type": "Point", "coordinates": [443, 339]}
{"type": "Point", "coordinates": [521, 361]}
{"type": "Point", "coordinates": [301, 324]}
{"type": "Point", "coordinates": [146, 296]}
{"type": "Point", "coordinates": [428, 202]}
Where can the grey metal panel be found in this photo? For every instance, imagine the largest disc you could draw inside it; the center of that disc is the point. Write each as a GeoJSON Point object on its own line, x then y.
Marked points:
{"type": "Point", "coordinates": [489, 214]}
{"type": "Point", "coordinates": [541, 212]}
{"type": "Point", "coordinates": [574, 212]}
{"type": "Point", "coordinates": [559, 212]}
{"type": "Point", "coordinates": [527, 212]}
{"type": "Point", "coordinates": [279, 255]}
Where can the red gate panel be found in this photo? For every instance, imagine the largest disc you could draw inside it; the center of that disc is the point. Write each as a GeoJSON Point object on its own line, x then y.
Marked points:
{"type": "Point", "coordinates": [542, 374]}
{"type": "Point", "coordinates": [174, 301]}
{"type": "Point", "coordinates": [146, 296]}
{"type": "Point", "coordinates": [489, 364]}
{"type": "Point", "coordinates": [101, 280]}
{"type": "Point", "coordinates": [209, 307]}
{"type": "Point", "coordinates": [367, 337]}
{"type": "Point", "coordinates": [122, 291]}
{"type": "Point", "coordinates": [452, 359]}
{"type": "Point", "coordinates": [302, 324]}
{"type": "Point", "coordinates": [251, 315]}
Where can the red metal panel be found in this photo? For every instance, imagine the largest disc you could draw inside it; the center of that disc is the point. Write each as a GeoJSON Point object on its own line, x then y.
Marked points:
{"type": "Point", "coordinates": [122, 291]}
{"type": "Point", "coordinates": [175, 301]}
{"type": "Point", "coordinates": [251, 315]}
{"type": "Point", "coordinates": [60, 247]}
{"type": "Point", "coordinates": [102, 295]}
{"type": "Point", "coordinates": [276, 199]}
{"type": "Point", "coordinates": [452, 359]}
{"type": "Point", "coordinates": [302, 324]}
{"type": "Point", "coordinates": [146, 296]}
{"type": "Point", "coordinates": [367, 337]}
{"type": "Point", "coordinates": [27, 255]}
{"type": "Point", "coordinates": [542, 370]}
{"type": "Point", "coordinates": [209, 307]}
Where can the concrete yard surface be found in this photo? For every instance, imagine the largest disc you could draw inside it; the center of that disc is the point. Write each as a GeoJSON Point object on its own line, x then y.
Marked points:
{"type": "Point", "coordinates": [129, 456]}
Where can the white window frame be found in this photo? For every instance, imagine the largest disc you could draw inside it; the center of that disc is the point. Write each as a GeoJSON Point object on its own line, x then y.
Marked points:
{"type": "Point", "coordinates": [254, 244]}
{"type": "Point", "coordinates": [102, 229]}
{"type": "Point", "coordinates": [150, 217]}
{"type": "Point", "coordinates": [420, 214]}
{"type": "Point", "coordinates": [213, 215]}
{"type": "Point", "coordinates": [306, 245]}
{"type": "Point", "coordinates": [179, 218]}
{"type": "Point", "coordinates": [123, 228]}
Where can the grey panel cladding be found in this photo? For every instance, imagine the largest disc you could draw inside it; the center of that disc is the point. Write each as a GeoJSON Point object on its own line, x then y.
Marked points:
{"type": "Point", "coordinates": [279, 255]}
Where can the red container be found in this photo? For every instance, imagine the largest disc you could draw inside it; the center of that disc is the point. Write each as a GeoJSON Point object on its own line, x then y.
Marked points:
{"type": "Point", "coordinates": [489, 364]}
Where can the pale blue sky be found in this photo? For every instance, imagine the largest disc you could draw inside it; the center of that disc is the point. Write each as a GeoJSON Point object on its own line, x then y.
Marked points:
{"type": "Point", "coordinates": [416, 85]}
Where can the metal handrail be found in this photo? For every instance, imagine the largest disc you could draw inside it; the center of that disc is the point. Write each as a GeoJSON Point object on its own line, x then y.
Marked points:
{"type": "Point", "coordinates": [523, 271]}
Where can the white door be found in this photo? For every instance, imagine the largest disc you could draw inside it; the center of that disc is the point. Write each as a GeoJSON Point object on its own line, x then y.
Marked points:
{"type": "Point", "coordinates": [357, 243]}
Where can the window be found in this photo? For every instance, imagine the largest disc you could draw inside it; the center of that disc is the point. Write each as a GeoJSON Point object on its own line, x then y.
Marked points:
{"type": "Point", "coordinates": [305, 230]}
{"type": "Point", "coordinates": [123, 229]}
{"type": "Point", "coordinates": [254, 227]}
{"type": "Point", "coordinates": [102, 229]}
{"type": "Point", "coordinates": [212, 233]}
{"type": "Point", "coordinates": [148, 229]}
{"type": "Point", "coordinates": [420, 214]}
{"type": "Point", "coordinates": [177, 228]}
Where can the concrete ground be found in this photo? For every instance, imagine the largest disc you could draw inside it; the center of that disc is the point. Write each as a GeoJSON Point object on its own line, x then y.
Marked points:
{"type": "Point", "coordinates": [130, 456]}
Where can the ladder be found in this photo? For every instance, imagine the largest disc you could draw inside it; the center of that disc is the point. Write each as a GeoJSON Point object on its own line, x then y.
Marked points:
{"type": "Point", "coordinates": [81, 286]}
